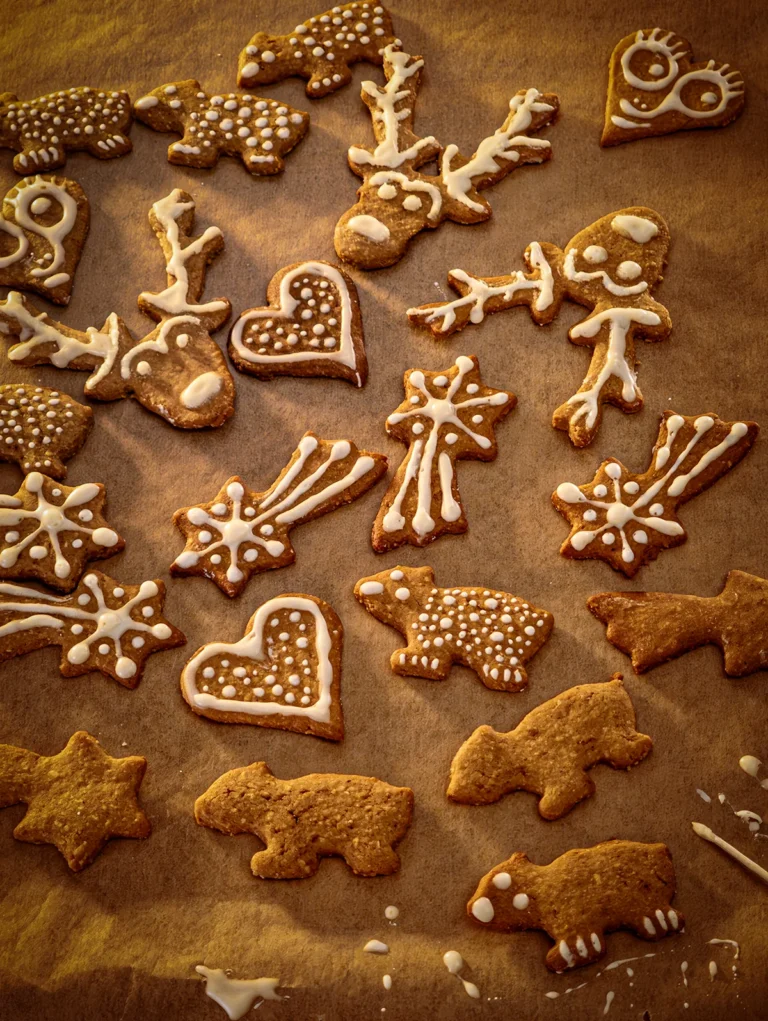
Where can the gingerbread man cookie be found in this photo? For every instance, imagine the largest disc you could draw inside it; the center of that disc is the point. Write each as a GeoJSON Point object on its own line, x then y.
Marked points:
{"type": "Point", "coordinates": [358, 818]}
{"type": "Point", "coordinates": [611, 267]}
{"type": "Point", "coordinates": [241, 532]}
{"type": "Point", "coordinates": [311, 327]}
{"type": "Point", "coordinates": [654, 88]}
{"type": "Point", "coordinates": [76, 800]}
{"type": "Point", "coordinates": [44, 130]}
{"type": "Point", "coordinates": [320, 49]}
{"type": "Point", "coordinates": [653, 627]}
{"type": "Point", "coordinates": [395, 201]}
{"type": "Point", "coordinates": [177, 370]}
{"type": "Point", "coordinates": [40, 428]}
{"type": "Point", "coordinates": [46, 220]}
{"type": "Point", "coordinates": [551, 749]}
{"type": "Point", "coordinates": [491, 632]}
{"type": "Point", "coordinates": [285, 672]}
{"type": "Point", "coordinates": [53, 531]}
{"type": "Point", "coordinates": [581, 896]}
{"type": "Point", "coordinates": [446, 417]}
{"type": "Point", "coordinates": [257, 131]}
{"type": "Point", "coordinates": [627, 519]}
{"type": "Point", "coordinates": [102, 626]}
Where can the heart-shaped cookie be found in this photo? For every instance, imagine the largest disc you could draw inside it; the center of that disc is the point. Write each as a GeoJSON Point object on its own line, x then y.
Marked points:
{"type": "Point", "coordinates": [654, 88]}
{"type": "Point", "coordinates": [285, 672]}
{"type": "Point", "coordinates": [311, 327]}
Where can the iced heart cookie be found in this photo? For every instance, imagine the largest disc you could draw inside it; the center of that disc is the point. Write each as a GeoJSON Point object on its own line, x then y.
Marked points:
{"type": "Point", "coordinates": [285, 672]}
{"type": "Point", "coordinates": [654, 88]}
{"type": "Point", "coordinates": [627, 519]}
{"type": "Point", "coordinates": [49, 531]}
{"type": "Point", "coordinates": [446, 417]}
{"type": "Point", "coordinates": [395, 201]}
{"type": "Point", "coordinates": [550, 751]}
{"type": "Point", "coordinates": [44, 130]}
{"type": "Point", "coordinates": [358, 818]}
{"type": "Point", "coordinates": [581, 896]}
{"type": "Point", "coordinates": [320, 49]}
{"type": "Point", "coordinates": [76, 800]}
{"type": "Point", "coordinates": [241, 532]}
{"type": "Point", "coordinates": [102, 626]}
{"type": "Point", "coordinates": [491, 632]}
{"type": "Point", "coordinates": [257, 131]}
{"type": "Point", "coordinates": [177, 370]}
{"type": "Point", "coordinates": [40, 428]}
{"type": "Point", "coordinates": [311, 327]}
{"type": "Point", "coordinates": [653, 627]}
{"type": "Point", "coordinates": [45, 223]}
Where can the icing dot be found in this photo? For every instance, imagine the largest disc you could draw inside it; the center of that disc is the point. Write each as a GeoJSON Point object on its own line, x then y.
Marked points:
{"type": "Point", "coordinates": [608, 538]}
{"type": "Point", "coordinates": [628, 270]}
{"type": "Point", "coordinates": [402, 594]}
{"type": "Point", "coordinates": [657, 70]}
{"type": "Point", "coordinates": [595, 254]}
{"type": "Point", "coordinates": [710, 98]}
{"type": "Point", "coordinates": [600, 491]}
{"type": "Point", "coordinates": [657, 509]}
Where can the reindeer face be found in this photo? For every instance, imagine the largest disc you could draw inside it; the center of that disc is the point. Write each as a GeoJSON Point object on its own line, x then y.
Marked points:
{"type": "Point", "coordinates": [619, 259]}
{"type": "Point", "coordinates": [505, 898]}
{"type": "Point", "coordinates": [381, 592]}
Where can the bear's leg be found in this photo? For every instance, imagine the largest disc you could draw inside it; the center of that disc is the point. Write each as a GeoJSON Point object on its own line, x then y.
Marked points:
{"type": "Point", "coordinates": [415, 661]}
{"type": "Point", "coordinates": [289, 860]}
{"type": "Point", "coordinates": [34, 158]}
{"type": "Point", "coordinates": [569, 791]}
{"type": "Point", "coordinates": [109, 147]}
{"type": "Point", "coordinates": [660, 921]}
{"type": "Point", "coordinates": [574, 952]}
{"type": "Point", "coordinates": [369, 859]}
{"type": "Point", "coordinates": [627, 750]}
{"type": "Point", "coordinates": [261, 164]}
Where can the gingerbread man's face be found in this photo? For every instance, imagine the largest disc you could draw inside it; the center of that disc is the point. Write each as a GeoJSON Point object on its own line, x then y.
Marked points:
{"type": "Point", "coordinates": [617, 260]}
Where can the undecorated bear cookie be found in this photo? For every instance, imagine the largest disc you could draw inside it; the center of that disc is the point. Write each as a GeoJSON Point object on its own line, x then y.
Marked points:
{"type": "Point", "coordinates": [49, 531]}
{"type": "Point", "coordinates": [76, 800]}
{"type": "Point", "coordinates": [101, 626]}
{"type": "Point", "coordinates": [44, 130]}
{"type": "Point", "coordinates": [359, 818]}
{"type": "Point", "coordinates": [45, 219]}
{"type": "Point", "coordinates": [551, 749]}
{"type": "Point", "coordinates": [319, 49]}
{"type": "Point", "coordinates": [241, 532]}
{"type": "Point", "coordinates": [627, 519]}
{"type": "Point", "coordinates": [285, 672]}
{"type": "Point", "coordinates": [581, 896]}
{"type": "Point", "coordinates": [311, 327]}
{"type": "Point", "coordinates": [654, 88]}
{"type": "Point", "coordinates": [40, 428]}
{"type": "Point", "coordinates": [653, 627]}
{"type": "Point", "coordinates": [257, 131]}
{"type": "Point", "coordinates": [491, 632]}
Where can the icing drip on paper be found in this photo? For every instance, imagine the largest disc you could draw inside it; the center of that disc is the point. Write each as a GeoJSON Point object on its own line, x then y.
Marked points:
{"type": "Point", "coordinates": [454, 963]}
{"type": "Point", "coordinates": [375, 946]}
{"type": "Point", "coordinates": [236, 996]}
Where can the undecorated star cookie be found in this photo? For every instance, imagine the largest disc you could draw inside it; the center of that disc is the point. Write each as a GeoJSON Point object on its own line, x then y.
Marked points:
{"type": "Point", "coordinates": [581, 896]}
{"type": "Point", "coordinates": [359, 818]}
{"type": "Point", "coordinates": [551, 749]}
{"type": "Point", "coordinates": [653, 627]}
{"type": "Point", "coordinates": [491, 632]}
{"type": "Point", "coordinates": [285, 672]}
{"type": "Point", "coordinates": [627, 519]}
{"type": "Point", "coordinates": [76, 800]}
{"type": "Point", "coordinates": [40, 429]}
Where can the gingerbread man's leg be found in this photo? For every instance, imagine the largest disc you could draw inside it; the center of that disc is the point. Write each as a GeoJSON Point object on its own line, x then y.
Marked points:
{"type": "Point", "coordinates": [570, 790]}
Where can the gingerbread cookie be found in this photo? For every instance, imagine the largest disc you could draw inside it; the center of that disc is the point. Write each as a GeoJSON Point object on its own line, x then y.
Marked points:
{"type": "Point", "coordinates": [53, 531]}
{"type": "Point", "coordinates": [611, 267]}
{"type": "Point", "coordinates": [101, 626]}
{"type": "Point", "coordinates": [177, 370]}
{"type": "Point", "coordinates": [446, 417]}
{"type": "Point", "coordinates": [358, 818]}
{"type": "Point", "coordinates": [76, 800]}
{"type": "Point", "coordinates": [241, 532]}
{"type": "Point", "coordinates": [395, 201]}
{"type": "Point", "coordinates": [311, 327]}
{"type": "Point", "coordinates": [44, 130]}
{"type": "Point", "coordinates": [627, 519]}
{"type": "Point", "coordinates": [45, 219]}
{"type": "Point", "coordinates": [581, 896]}
{"type": "Point", "coordinates": [654, 88]}
{"type": "Point", "coordinates": [40, 428]}
{"type": "Point", "coordinates": [285, 672]}
{"type": "Point", "coordinates": [320, 49]}
{"type": "Point", "coordinates": [551, 749]}
{"type": "Point", "coordinates": [257, 131]}
{"type": "Point", "coordinates": [653, 627]}
{"type": "Point", "coordinates": [491, 632]}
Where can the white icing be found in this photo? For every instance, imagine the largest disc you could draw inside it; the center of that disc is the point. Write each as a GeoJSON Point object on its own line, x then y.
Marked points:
{"type": "Point", "coordinates": [502, 880]}
{"type": "Point", "coordinates": [375, 946]}
{"type": "Point", "coordinates": [158, 343]}
{"type": "Point", "coordinates": [583, 276]}
{"type": "Point", "coordinates": [29, 197]}
{"type": "Point", "coordinates": [482, 910]}
{"type": "Point", "coordinates": [520, 901]}
{"type": "Point", "coordinates": [236, 996]}
{"type": "Point", "coordinates": [637, 228]}
{"type": "Point", "coordinates": [391, 913]}
{"type": "Point", "coordinates": [750, 764]}
{"type": "Point", "coordinates": [146, 102]}
{"type": "Point", "coordinates": [384, 177]}
{"type": "Point", "coordinates": [369, 227]}
{"type": "Point", "coordinates": [453, 961]}
{"type": "Point", "coordinates": [201, 390]}
{"type": "Point", "coordinates": [727, 943]}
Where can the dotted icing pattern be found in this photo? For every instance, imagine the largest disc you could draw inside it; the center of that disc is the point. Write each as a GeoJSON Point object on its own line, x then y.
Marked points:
{"type": "Point", "coordinates": [41, 428]}
{"type": "Point", "coordinates": [43, 129]}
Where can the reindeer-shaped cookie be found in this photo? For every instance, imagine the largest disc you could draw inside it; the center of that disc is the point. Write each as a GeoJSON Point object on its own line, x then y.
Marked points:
{"type": "Point", "coordinates": [177, 371]}
{"type": "Point", "coordinates": [396, 202]}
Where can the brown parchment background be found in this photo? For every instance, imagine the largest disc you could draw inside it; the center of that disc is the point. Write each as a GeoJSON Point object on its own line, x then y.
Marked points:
{"type": "Point", "coordinates": [121, 939]}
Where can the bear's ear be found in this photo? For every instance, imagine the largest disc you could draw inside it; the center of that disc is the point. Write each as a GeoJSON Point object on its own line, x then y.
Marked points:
{"type": "Point", "coordinates": [425, 574]}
